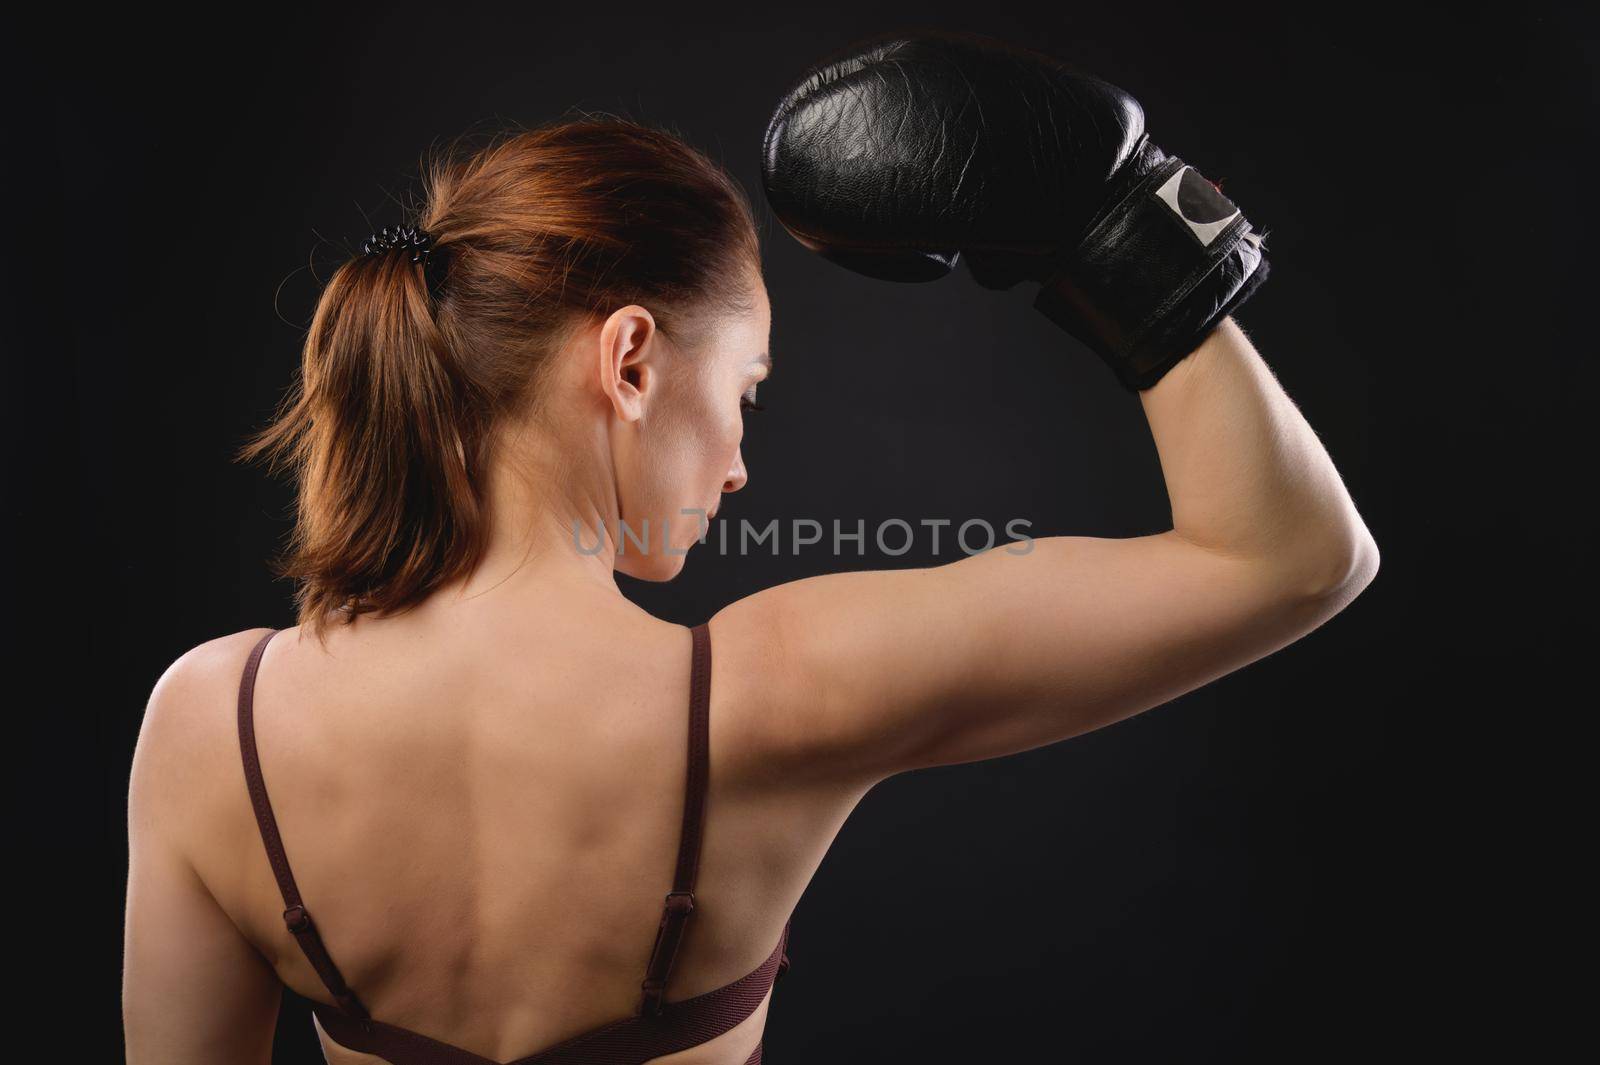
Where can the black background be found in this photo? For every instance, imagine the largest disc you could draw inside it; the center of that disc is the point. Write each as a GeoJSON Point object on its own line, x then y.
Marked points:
{"type": "Point", "coordinates": [1323, 856]}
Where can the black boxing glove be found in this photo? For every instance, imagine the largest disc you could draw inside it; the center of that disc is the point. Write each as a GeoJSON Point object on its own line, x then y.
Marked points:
{"type": "Point", "coordinates": [909, 151]}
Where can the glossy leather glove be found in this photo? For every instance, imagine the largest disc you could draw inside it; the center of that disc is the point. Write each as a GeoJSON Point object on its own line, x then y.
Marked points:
{"type": "Point", "coordinates": [898, 155]}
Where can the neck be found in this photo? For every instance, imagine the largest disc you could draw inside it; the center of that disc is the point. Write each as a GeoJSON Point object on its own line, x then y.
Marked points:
{"type": "Point", "coordinates": [550, 521]}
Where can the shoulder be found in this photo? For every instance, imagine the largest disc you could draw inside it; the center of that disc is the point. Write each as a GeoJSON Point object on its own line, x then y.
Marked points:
{"type": "Point", "coordinates": [773, 658]}
{"type": "Point", "coordinates": [186, 696]}
{"type": "Point", "coordinates": [842, 664]}
{"type": "Point", "coordinates": [189, 728]}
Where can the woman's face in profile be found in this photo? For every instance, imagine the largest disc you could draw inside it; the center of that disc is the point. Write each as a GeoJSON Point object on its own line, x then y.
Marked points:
{"type": "Point", "coordinates": [688, 451]}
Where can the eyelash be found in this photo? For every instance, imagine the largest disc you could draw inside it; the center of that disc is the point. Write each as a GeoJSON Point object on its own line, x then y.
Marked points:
{"type": "Point", "coordinates": [746, 403]}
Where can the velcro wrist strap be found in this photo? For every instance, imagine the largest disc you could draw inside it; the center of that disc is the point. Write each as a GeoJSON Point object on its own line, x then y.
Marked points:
{"type": "Point", "coordinates": [1156, 272]}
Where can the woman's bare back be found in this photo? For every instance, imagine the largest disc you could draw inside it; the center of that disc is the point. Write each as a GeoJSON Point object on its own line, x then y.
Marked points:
{"type": "Point", "coordinates": [483, 817]}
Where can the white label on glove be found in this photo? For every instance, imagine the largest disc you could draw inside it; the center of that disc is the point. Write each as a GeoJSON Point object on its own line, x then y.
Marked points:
{"type": "Point", "coordinates": [1198, 203]}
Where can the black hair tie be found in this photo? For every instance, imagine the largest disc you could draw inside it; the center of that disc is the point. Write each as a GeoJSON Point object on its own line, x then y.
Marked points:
{"type": "Point", "coordinates": [413, 238]}
{"type": "Point", "coordinates": [419, 242]}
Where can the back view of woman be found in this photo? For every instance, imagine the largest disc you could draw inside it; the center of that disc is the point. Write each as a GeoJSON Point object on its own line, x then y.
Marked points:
{"type": "Point", "coordinates": [479, 807]}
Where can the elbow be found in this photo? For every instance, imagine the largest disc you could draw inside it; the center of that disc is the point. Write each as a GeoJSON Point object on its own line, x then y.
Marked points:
{"type": "Point", "coordinates": [1343, 570]}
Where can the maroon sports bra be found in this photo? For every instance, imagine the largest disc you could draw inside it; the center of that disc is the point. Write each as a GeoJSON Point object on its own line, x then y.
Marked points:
{"type": "Point", "coordinates": [656, 1028]}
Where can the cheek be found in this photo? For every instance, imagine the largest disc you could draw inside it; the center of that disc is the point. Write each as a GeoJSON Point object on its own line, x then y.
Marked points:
{"type": "Point", "coordinates": [729, 454]}
{"type": "Point", "coordinates": [684, 467]}
{"type": "Point", "coordinates": [713, 457]}
{"type": "Point", "coordinates": [703, 473]}
{"type": "Point", "coordinates": [710, 444]}
{"type": "Point", "coordinates": [728, 443]}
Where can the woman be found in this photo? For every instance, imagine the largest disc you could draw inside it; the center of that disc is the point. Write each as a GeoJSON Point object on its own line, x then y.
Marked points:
{"type": "Point", "coordinates": [475, 747]}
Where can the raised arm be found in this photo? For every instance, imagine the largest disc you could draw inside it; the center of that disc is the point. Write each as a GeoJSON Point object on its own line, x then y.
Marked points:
{"type": "Point", "coordinates": [916, 150]}
{"type": "Point", "coordinates": [870, 674]}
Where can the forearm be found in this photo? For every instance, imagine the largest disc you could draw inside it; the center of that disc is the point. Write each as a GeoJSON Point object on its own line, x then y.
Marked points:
{"type": "Point", "coordinates": [1246, 475]}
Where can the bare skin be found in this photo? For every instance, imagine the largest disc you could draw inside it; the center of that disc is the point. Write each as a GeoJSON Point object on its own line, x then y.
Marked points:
{"type": "Point", "coordinates": [481, 798]}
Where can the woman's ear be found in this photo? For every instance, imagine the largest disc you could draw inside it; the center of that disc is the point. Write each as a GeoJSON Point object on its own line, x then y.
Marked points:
{"type": "Point", "coordinates": [627, 359]}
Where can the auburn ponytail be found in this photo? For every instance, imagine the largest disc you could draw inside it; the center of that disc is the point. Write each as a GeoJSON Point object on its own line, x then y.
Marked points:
{"type": "Point", "coordinates": [390, 426]}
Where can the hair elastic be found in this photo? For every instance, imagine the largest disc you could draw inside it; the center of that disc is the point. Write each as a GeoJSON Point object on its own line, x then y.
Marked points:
{"type": "Point", "coordinates": [415, 238]}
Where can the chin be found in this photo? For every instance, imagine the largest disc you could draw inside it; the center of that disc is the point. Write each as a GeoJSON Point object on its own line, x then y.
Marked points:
{"type": "Point", "coordinates": [652, 567]}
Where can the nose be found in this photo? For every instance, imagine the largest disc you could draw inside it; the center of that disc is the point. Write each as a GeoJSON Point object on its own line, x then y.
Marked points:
{"type": "Point", "coordinates": [737, 474]}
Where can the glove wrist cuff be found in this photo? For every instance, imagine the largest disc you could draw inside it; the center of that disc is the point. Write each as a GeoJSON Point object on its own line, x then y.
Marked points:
{"type": "Point", "coordinates": [1155, 272]}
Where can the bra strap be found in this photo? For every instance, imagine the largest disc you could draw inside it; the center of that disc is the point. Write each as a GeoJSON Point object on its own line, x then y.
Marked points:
{"type": "Point", "coordinates": [296, 917]}
{"type": "Point", "coordinates": [680, 900]}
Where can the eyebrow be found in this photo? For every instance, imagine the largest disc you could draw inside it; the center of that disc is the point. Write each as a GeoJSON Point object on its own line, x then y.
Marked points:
{"type": "Point", "coordinates": [764, 359]}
